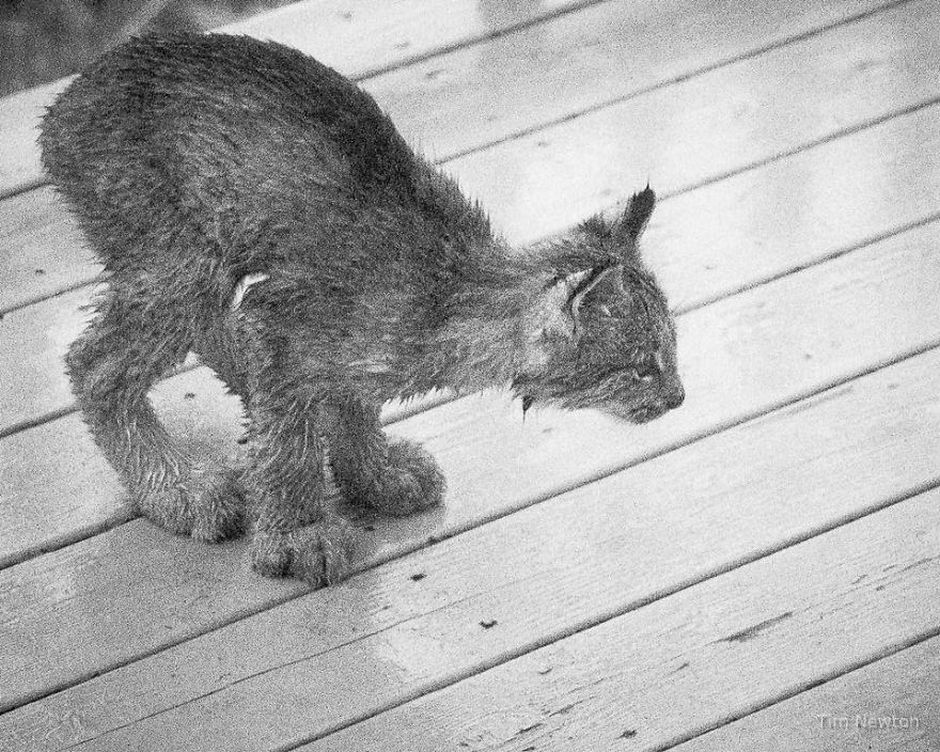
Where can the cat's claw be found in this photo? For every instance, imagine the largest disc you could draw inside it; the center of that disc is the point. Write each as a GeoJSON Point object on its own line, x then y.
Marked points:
{"type": "Point", "coordinates": [319, 553]}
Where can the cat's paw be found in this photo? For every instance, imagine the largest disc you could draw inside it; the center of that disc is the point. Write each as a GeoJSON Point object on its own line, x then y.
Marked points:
{"type": "Point", "coordinates": [412, 481]}
{"type": "Point", "coordinates": [319, 553]}
{"type": "Point", "coordinates": [207, 503]}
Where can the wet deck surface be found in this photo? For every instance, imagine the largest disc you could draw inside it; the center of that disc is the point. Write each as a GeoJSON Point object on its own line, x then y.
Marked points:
{"type": "Point", "coordinates": [756, 571]}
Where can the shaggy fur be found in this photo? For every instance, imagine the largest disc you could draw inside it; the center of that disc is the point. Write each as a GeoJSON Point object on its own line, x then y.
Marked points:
{"type": "Point", "coordinates": [257, 208]}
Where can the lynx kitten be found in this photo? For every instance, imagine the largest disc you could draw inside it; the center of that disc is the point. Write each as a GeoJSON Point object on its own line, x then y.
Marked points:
{"type": "Point", "coordinates": [257, 208]}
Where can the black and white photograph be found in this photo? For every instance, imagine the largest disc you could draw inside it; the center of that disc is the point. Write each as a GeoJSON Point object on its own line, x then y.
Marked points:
{"type": "Point", "coordinates": [470, 375]}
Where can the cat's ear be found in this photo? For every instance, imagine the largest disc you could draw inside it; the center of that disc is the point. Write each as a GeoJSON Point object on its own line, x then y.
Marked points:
{"type": "Point", "coordinates": [636, 216]}
{"type": "Point", "coordinates": [606, 274]}
{"type": "Point", "coordinates": [552, 324]}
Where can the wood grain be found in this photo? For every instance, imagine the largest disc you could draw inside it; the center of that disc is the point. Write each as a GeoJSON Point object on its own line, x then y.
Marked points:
{"type": "Point", "coordinates": [740, 357]}
{"type": "Point", "coordinates": [35, 340]}
{"type": "Point", "coordinates": [669, 34]}
{"type": "Point", "coordinates": [734, 238]}
{"type": "Point", "coordinates": [899, 692]}
{"type": "Point", "coordinates": [729, 119]}
{"type": "Point", "coordinates": [45, 508]}
{"type": "Point", "coordinates": [42, 251]}
{"type": "Point", "coordinates": [365, 38]}
{"type": "Point", "coordinates": [356, 38]}
{"type": "Point", "coordinates": [613, 52]}
{"type": "Point", "coordinates": [688, 662]}
{"type": "Point", "coordinates": [699, 129]}
{"type": "Point", "coordinates": [20, 114]}
{"type": "Point", "coordinates": [710, 579]}
{"type": "Point", "coordinates": [414, 623]}
{"type": "Point", "coordinates": [704, 244]}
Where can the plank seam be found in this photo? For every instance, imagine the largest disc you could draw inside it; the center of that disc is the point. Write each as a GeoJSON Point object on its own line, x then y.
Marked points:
{"type": "Point", "coordinates": [473, 41]}
{"type": "Point", "coordinates": [591, 623]}
{"type": "Point", "coordinates": [830, 676]}
{"type": "Point", "coordinates": [119, 517]}
{"type": "Point", "coordinates": [809, 145]}
{"type": "Point", "coordinates": [694, 438]}
{"type": "Point", "coordinates": [55, 293]}
{"type": "Point", "coordinates": [270, 669]}
{"type": "Point", "coordinates": [440, 161]}
{"type": "Point", "coordinates": [446, 397]}
{"type": "Point", "coordinates": [679, 311]}
{"type": "Point", "coordinates": [363, 75]}
{"type": "Point", "coordinates": [379, 561]}
{"type": "Point", "coordinates": [62, 412]}
{"type": "Point", "coordinates": [824, 259]}
{"type": "Point", "coordinates": [125, 514]}
{"type": "Point", "coordinates": [711, 180]}
{"type": "Point", "coordinates": [930, 218]}
{"type": "Point", "coordinates": [687, 76]}
{"type": "Point", "coordinates": [23, 186]}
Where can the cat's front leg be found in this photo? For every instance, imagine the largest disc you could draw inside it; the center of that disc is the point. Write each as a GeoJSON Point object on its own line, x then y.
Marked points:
{"type": "Point", "coordinates": [394, 476]}
{"type": "Point", "coordinates": [294, 532]}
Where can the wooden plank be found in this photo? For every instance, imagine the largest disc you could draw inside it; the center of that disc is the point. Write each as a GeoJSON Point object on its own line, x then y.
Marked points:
{"type": "Point", "coordinates": [19, 156]}
{"type": "Point", "coordinates": [35, 340]}
{"type": "Point", "coordinates": [613, 52]}
{"type": "Point", "coordinates": [735, 235]}
{"type": "Point", "coordinates": [899, 692]}
{"type": "Point", "coordinates": [851, 74]}
{"type": "Point", "coordinates": [47, 508]}
{"type": "Point", "coordinates": [741, 357]}
{"type": "Point", "coordinates": [369, 37]}
{"type": "Point", "coordinates": [689, 661]}
{"type": "Point", "coordinates": [356, 38]}
{"type": "Point", "coordinates": [42, 251]}
{"type": "Point", "coordinates": [664, 42]}
{"type": "Point", "coordinates": [735, 117]}
{"type": "Point", "coordinates": [652, 528]}
{"type": "Point", "coordinates": [704, 244]}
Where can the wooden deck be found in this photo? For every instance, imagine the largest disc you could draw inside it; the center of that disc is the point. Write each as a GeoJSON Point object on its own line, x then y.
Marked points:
{"type": "Point", "coordinates": [756, 571]}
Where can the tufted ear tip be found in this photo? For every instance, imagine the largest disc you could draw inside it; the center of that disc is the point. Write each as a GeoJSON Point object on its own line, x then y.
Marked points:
{"type": "Point", "coordinates": [637, 215]}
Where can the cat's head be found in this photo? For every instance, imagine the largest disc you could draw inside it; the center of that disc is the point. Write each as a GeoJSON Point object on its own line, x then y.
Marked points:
{"type": "Point", "coordinates": [598, 333]}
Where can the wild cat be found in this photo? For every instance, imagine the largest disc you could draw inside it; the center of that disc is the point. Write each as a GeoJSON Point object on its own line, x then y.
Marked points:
{"type": "Point", "coordinates": [257, 208]}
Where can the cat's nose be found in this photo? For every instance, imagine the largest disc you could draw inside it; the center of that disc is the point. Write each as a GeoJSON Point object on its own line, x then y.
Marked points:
{"type": "Point", "coordinates": [676, 397]}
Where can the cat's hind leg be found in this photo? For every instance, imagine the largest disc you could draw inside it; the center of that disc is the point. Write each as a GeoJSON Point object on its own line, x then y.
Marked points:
{"type": "Point", "coordinates": [394, 476]}
{"type": "Point", "coordinates": [136, 336]}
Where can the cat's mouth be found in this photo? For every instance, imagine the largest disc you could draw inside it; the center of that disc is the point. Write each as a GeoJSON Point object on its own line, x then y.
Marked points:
{"type": "Point", "coordinates": [637, 415]}
{"type": "Point", "coordinates": [646, 414]}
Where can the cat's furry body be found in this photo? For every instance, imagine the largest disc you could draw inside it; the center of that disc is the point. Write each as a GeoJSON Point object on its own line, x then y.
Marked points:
{"type": "Point", "coordinates": [194, 162]}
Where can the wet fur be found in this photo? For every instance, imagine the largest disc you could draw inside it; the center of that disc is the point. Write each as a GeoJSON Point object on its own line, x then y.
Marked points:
{"type": "Point", "coordinates": [193, 162]}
